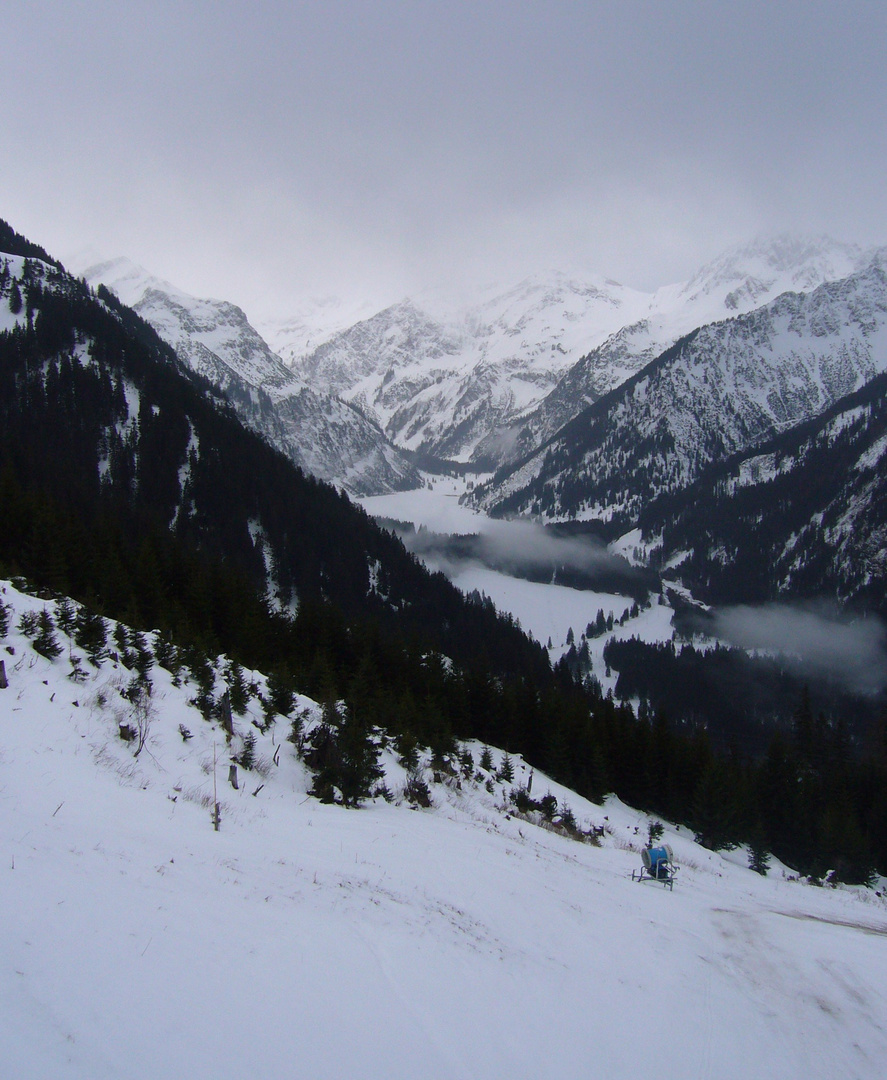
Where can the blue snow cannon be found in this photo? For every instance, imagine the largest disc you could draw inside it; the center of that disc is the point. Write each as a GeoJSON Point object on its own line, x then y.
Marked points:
{"type": "Point", "coordinates": [658, 864]}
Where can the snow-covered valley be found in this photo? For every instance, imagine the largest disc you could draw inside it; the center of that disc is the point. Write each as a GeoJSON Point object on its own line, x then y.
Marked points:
{"type": "Point", "coordinates": [314, 941]}
{"type": "Point", "coordinates": [548, 611]}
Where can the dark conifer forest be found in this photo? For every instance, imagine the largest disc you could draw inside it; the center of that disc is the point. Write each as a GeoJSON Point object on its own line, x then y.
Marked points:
{"type": "Point", "coordinates": [129, 484]}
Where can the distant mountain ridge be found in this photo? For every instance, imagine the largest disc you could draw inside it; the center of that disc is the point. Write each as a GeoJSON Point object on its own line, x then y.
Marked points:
{"type": "Point", "coordinates": [445, 382]}
{"type": "Point", "coordinates": [740, 280]}
{"type": "Point", "coordinates": [488, 380]}
{"type": "Point", "coordinates": [327, 437]}
{"type": "Point", "coordinates": [721, 389]}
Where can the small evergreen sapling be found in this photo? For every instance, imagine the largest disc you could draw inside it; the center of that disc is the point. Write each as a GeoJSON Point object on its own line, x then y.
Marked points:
{"type": "Point", "coordinates": [46, 643]}
{"type": "Point", "coordinates": [416, 790]}
{"type": "Point", "coordinates": [506, 769]}
{"type": "Point", "coordinates": [66, 616]}
{"type": "Point", "coordinates": [758, 856]}
{"type": "Point", "coordinates": [143, 658]}
{"type": "Point", "coordinates": [91, 635]}
{"type": "Point", "coordinates": [166, 654]}
{"type": "Point", "coordinates": [344, 755]}
{"type": "Point", "coordinates": [246, 759]}
{"type": "Point", "coordinates": [141, 712]}
{"type": "Point", "coordinates": [548, 806]}
{"type": "Point", "coordinates": [237, 688]}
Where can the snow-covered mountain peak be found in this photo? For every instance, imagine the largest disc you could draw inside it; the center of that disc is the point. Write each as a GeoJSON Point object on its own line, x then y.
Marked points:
{"type": "Point", "coordinates": [767, 267]}
{"type": "Point", "coordinates": [214, 336]}
{"type": "Point", "coordinates": [311, 322]}
{"type": "Point", "coordinates": [325, 436]}
{"type": "Point", "coordinates": [441, 375]}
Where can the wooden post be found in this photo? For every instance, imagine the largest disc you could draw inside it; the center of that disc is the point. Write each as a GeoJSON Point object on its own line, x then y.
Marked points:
{"type": "Point", "coordinates": [226, 715]}
{"type": "Point", "coordinates": [217, 814]}
{"type": "Point", "coordinates": [4, 682]}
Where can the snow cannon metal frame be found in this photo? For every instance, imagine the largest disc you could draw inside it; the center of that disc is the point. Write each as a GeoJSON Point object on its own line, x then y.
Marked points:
{"type": "Point", "coordinates": [658, 865]}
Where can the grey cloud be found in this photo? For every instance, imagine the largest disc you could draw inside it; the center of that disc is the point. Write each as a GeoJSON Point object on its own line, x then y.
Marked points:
{"type": "Point", "coordinates": [256, 150]}
{"type": "Point", "coordinates": [527, 549]}
{"type": "Point", "coordinates": [813, 641]}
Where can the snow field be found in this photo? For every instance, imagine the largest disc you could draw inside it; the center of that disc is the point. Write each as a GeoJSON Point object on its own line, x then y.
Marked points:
{"type": "Point", "coordinates": [305, 940]}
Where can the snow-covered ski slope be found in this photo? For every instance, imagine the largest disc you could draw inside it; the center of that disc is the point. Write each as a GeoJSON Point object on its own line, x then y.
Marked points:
{"type": "Point", "coordinates": [311, 941]}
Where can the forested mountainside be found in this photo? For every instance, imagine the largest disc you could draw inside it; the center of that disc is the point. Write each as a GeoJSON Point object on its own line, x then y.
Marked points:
{"type": "Point", "coordinates": [802, 516]}
{"type": "Point", "coordinates": [104, 428]}
{"type": "Point", "coordinates": [127, 482]}
{"type": "Point", "coordinates": [719, 390]}
{"type": "Point", "coordinates": [327, 437]}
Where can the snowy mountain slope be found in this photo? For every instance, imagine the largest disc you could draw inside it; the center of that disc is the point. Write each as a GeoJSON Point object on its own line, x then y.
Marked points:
{"type": "Point", "coordinates": [740, 280]}
{"type": "Point", "coordinates": [719, 390]}
{"type": "Point", "coordinates": [214, 337]}
{"type": "Point", "coordinates": [310, 940]}
{"type": "Point", "coordinates": [327, 437]}
{"type": "Point", "coordinates": [442, 378]}
{"type": "Point", "coordinates": [804, 515]}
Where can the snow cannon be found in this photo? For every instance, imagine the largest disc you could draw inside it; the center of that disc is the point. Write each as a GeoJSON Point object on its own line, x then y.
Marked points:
{"type": "Point", "coordinates": [658, 864]}
{"type": "Point", "coordinates": [657, 859]}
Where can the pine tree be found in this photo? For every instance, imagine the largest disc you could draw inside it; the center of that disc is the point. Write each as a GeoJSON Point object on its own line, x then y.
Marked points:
{"type": "Point", "coordinates": [46, 643]}
{"type": "Point", "coordinates": [237, 688]}
{"type": "Point", "coordinates": [344, 755]}
{"type": "Point", "coordinates": [66, 616]}
{"type": "Point", "coordinates": [143, 658]}
{"type": "Point", "coordinates": [506, 769]}
{"type": "Point", "coordinates": [166, 654]}
{"type": "Point", "coordinates": [758, 857]}
{"type": "Point", "coordinates": [91, 635]}
{"type": "Point", "coordinates": [121, 640]}
{"type": "Point", "coordinates": [247, 756]}
{"type": "Point", "coordinates": [281, 695]}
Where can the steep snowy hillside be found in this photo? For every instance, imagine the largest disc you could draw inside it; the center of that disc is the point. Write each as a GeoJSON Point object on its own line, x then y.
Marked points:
{"type": "Point", "coordinates": [804, 515]}
{"type": "Point", "coordinates": [214, 337]}
{"type": "Point", "coordinates": [300, 939]}
{"type": "Point", "coordinates": [444, 379]}
{"type": "Point", "coordinates": [737, 282]}
{"type": "Point", "coordinates": [326, 436]}
{"type": "Point", "coordinates": [718, 391]}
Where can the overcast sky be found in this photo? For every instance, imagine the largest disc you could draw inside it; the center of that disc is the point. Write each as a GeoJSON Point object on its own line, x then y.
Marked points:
{"type": "Point", "coordinates": [263, 151]}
